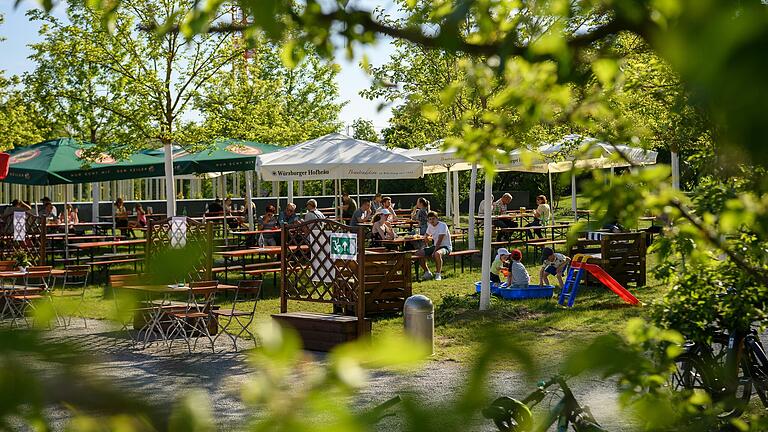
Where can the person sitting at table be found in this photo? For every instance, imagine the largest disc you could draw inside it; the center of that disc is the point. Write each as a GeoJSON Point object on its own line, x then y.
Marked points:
{"type": "Point", "coordinates": [71, 213]}
{"type": "Point", "coordinates": [381, 229]}
{"type": "Point", "coordinates": [438, 232]}
{"type": "Point", "coordinates": [362, 214]}
{"type": "Point", "coordinates": [288, 216]}
{"type": "Point", "coordinates": [16, 205]}
{"type": "Point", "coordinates": [215, 208]}
{"type": "Point", "coordinates": [268, 221]}
{"type": "Point", "coordinates": [420, 213]}
{"type": "Point", "coordinates": [312, 211]}
{"type": "Point", "coordinates": [481, 208]}
{"type": "Point", "coordinates": [121, 219]}
{"type": "Point", "coordinates": [386, 204]}
{"type": "Point", "coordinates": [540, 216]}
{"type": "Point", "coordinates": [348, 206]}
{"type": "Point", "coordinates": [376, 203]}
{"type": "Point", "coordinates": [233, 221]}
{"type": "Point", "coordinates": [141, 215]}
{"type": "Point", "coordinates": [500, 208]}
{"type": "Point", "coordinates": [51, 212]}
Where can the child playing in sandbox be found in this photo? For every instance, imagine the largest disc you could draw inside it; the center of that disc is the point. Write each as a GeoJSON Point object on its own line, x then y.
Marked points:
{"type": "Point", "coordinates": [518, 275]}
{"type": "Point", "coordinates": [502, 256]}
{"type": "Point", "coordinates": [554, 264]}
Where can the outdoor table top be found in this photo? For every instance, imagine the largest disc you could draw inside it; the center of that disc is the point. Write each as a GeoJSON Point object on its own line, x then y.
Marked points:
{"type": "Point", "coordinates": [83, 224]}
{"type": "Point", "coordinates": [75, 236]}
{"type": "Point", "coordinates": [557, 226]}
{"type": "Point", "coordinates": [107, 243]}
{"type": "Point", "coordinates": [267, 250]}
{"type": "Point", "coordinates": [410, 238]}
{"type": "Point", "coordinates": [647, 218]}
{"type": "Point", "coordinates": [256, 232]}
{"type": "Point", "coordinates": [12, 274]}
{"type": "Point", "coordinates": [169, 289]}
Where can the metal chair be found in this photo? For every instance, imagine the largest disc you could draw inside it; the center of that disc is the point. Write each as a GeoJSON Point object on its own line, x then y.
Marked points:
{"type": "Point", "coordinates": [248, 291]}
{"type": "Point", "coordinates": [196, 318]}
{"type": "Point", "coordinates": [73, 287]}
{"type": "Point", "coordinates": [20, 300]}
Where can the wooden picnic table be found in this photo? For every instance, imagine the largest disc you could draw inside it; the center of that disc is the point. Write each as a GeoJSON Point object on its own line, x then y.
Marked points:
{"type": "Point", "coordinates": [92, 246]}
{"type": "Point", "coordinates": [255, 232]}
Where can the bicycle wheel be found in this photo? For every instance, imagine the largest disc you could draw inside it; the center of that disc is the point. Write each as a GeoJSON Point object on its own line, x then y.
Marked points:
{"type": "Point", "coordinates": [702, 369]}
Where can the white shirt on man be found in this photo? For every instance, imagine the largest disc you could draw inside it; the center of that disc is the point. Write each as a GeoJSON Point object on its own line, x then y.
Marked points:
{"type": "Point", "coordinates": [436, 230]}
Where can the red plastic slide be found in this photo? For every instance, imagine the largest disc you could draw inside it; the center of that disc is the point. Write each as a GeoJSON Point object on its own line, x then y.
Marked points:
{"type": "Point", "coordinates": [608, 281]}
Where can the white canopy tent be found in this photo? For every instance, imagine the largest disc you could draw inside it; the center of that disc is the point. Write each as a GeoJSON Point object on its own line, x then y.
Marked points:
{"type": "Point", "coordinates": [336, 156]}
{"type": "Point", "coordinates": [437, 160]}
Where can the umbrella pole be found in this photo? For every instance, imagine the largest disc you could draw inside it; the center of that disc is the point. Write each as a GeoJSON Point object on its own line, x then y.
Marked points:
{"type": "Point", "coordinates": [95, 195]}
{"type": "Point", "coordinates": [248, 202]}
{"type": "Point", "coordinates": [226, 236]}
{"type": "Point", "coordinates": [485, 287]}
{"type": "Point", "coordinates": [170, 194]}
{"type": "Point", "coordinates": [66, 226]}
{"type": "Point", "coordinates": [472, 193]}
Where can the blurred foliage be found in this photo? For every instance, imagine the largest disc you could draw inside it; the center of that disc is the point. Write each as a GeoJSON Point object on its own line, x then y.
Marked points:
{"type": "Point", "coordinates": [686, 75]}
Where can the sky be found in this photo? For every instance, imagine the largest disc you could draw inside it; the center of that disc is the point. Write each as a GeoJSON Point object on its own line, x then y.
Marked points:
{"type": "Point", "coordinates": [19, 32]}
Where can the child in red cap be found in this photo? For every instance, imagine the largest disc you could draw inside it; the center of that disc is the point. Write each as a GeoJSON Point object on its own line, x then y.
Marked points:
{"type": "Point", "coordinates": [518, 275]}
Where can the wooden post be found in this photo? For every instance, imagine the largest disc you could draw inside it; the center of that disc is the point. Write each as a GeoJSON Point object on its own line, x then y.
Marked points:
{"type": "Point", "coordinates": [361, 327]}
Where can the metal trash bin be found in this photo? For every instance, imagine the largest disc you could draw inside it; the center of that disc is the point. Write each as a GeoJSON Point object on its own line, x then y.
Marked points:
{"type": "Point", "coordinates": [419, 315]}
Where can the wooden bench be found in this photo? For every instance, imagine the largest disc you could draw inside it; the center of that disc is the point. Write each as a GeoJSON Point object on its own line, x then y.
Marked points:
{"type": "Point", "coordinates": [107, 261]}
{"type": "Point", "coordinates": [320, 331]}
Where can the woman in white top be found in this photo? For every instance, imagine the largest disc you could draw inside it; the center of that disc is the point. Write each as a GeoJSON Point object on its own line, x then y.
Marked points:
{"type": "Point", "coordinates": [540, 216]}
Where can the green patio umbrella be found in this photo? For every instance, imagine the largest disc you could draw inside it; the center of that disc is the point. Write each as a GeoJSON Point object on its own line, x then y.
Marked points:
{"type": "Point", "coordinates": [62, 161]}
{"type": "Point", "coordinates": [226, 155]}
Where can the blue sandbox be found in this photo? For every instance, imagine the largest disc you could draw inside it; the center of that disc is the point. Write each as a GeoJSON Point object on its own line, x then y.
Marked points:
{"type": "Point", "coordinates": [533, 291]}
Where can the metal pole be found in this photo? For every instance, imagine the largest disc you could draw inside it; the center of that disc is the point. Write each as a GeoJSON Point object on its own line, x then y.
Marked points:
{"type": "Point", "coordinates": [456, 212]}
{"type": "Point", "coordinates": [358, 191]}
{"type": "Point", "coordinates": [675, 171]}
{"type": "Point", "coordinates": [321, 181]}
{"type": "Point", "coordinates": [224, 228]}
{"type": "Point", "coordinates": [448, 192]}
{"type": "Point", "coordinates": [573, 193]}
{"type": "Point", "coordinates": [95, 195]}
{"type": "Point", "coordinates": [301, 187]}
{"type": "Point", "coordinates": [472, 209]}
{"type": "Point", "coordinates": [485, 290]}
{"type": "Point", "coordinates": [248, 193]}
{"type": "Point", "coordinates": [377, 185]}
{"type": "Point", "coordinates": [290, 191]}
{"type": "Point", "coordinates": [66, 226]}
{"type": "Point", "coordinates": [170, 191]}
{"type": "Point", "coordinates": [551, 199]}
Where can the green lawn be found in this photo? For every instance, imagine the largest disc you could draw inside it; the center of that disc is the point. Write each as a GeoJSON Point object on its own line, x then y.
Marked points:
{"type": "Point", "coordinates": [546, 329]}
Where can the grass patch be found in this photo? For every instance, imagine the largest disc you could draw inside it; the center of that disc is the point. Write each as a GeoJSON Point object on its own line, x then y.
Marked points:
{"type": "Point", "coordinates": [546, 329]}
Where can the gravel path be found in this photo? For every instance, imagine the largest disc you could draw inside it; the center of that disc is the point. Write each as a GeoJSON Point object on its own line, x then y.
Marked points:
{"type": "Point", "coordinates": [161, 377]}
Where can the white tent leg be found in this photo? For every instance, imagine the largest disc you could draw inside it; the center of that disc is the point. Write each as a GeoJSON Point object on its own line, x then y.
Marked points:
{"type": "Point", "coordinates": [485, 290]}
{"type": "Point", "coordinates": [675, 171]}
{"type": "Point", "coordinates": [248, 193]}
{"type": "Point", "coordinates": [323, 185]}
{"type": "Point", "coordinates": [290, 191]}
{"type": "Point", "coordinates": [448, 193]}
{"type": "Point", "coordinates": [472, 209]}
{"type": "Point", "coordinates": [358, 191]}
{"type": "Point", "coordinates": [377, 185]}
{"type": "Point", "coordinates": [170, 193]}
{"type": "Point", "coordinates": [551, 200]}
{"type": "Point", "coordinates": [573, 194]}
{"type": "Point", "coordinates": [456, 212]}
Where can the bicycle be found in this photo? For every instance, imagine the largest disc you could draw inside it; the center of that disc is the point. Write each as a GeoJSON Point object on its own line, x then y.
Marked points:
{"type": "Point", "coordinates": [512, 415]}
{"type": "Point", "coordinates": [729, 369]}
